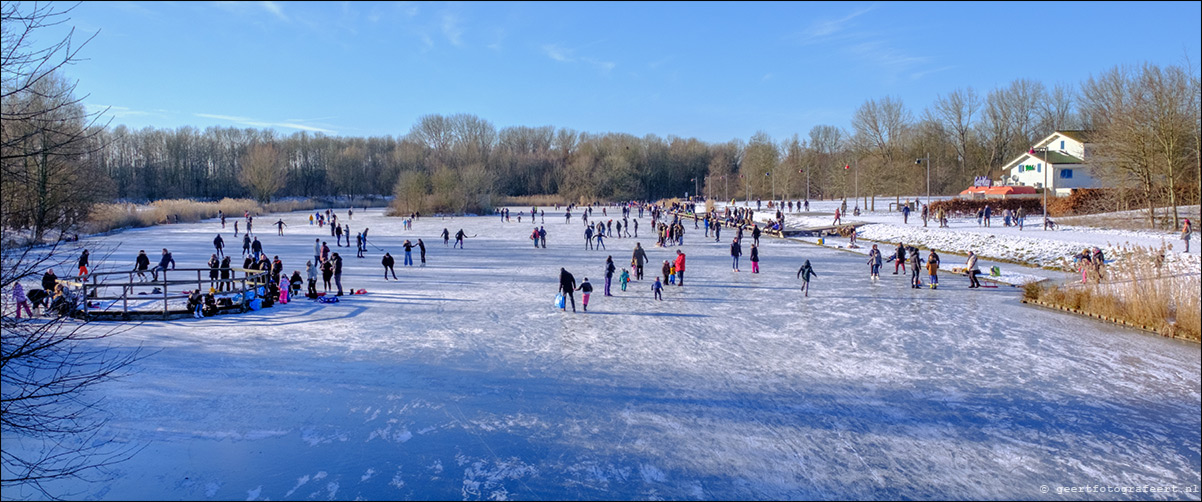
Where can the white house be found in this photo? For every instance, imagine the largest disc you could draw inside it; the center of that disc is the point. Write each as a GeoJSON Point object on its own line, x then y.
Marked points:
{"type": "Point", "coordinates": [1057, 160]}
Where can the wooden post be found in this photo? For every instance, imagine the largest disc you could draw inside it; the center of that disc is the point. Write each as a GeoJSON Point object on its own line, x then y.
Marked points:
{"type": "Point", "coordinates": [164, 292]}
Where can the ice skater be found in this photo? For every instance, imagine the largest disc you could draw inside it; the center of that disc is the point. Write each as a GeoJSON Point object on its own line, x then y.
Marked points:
{"type": "Point", "coordinates": [805, 273]}
{"type": "Point", "coordinates": [874, 263]}
{"type": "Point", "coordinates": [585, 289]}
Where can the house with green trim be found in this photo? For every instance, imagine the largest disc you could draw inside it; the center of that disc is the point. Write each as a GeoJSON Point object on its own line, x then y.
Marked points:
{"type": "Point", "coordinates": [1057, 162]}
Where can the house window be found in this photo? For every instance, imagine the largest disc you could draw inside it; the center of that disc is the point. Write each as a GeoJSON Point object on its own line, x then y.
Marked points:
{"type": "Point", "coordinates": [1061, 145]}
{"type": "Point", "coordinates": [1066, 174]}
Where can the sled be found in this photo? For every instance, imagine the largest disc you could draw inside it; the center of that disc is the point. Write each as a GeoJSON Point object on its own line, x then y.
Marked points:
{"type": "Point", "coordinates": [559, 301]}
{"type": "Point", "coordinates": [328, 299]}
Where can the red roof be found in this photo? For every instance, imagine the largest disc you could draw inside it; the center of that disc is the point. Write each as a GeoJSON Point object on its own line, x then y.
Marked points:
{"type": "Point", "coordinates": [1002, 190]}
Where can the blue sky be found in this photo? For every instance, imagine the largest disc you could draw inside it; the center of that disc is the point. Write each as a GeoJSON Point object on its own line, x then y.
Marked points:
{"type": "Point", "coordinates": [710, 70]}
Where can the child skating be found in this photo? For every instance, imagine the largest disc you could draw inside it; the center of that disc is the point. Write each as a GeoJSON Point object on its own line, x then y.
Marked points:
{"type": "Point", "coordinates": [624, 279]}
{"type": "Point", "coordinates": [586, 289]}
{"type": "Point", "coordinates": [658, 288]}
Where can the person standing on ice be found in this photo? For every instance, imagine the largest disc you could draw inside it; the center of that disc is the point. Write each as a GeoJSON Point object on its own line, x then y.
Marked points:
{"type": "Point", "coordinates": [899, 258]}
{"type": "Point", "coordinates": [279, 225]}
{"type": "Point", "coordinates": [446, 237]}
{"type": "Point", "coordinates": [83, 263]}
{"type": "Point", "coordinates": [311, 274]}
{"type": "Point", "coordinates": [755, 258]}
{"type": "Point", "coordinates": [421, 247]}
{"type": "Point", "coordinates": [459, 239]}
{"type": "Point", "coordinates": [637, 260]}
{"type": "Point", "coordinates": [609, 273]}
{"type": "Point", "coordinates": [624, 279]}
{"type": "Point", "coordinates": [585, 289]}
{"type": "Point", "coordinates": [933, 269]}
{"type": "Point", "coordinates": [408, 253]}
{"type": "Point", "coordinates": [874, 263]}
{"type": "Point", "coordinates": [915, 268]}
{"type": "Point", "coordinates": [567, 284]}
{"type": "Point", "coordinates": [972, 270]}
{"type": "Point", "coordinates": [588, 237]}
{"type": "Point", "coordinates": [542, 236]}
{"type": "Point", "coordinates": [245, 245]}
{"type": "Point", "coordinates": [805, 273]}
{"type": "Point", "coordinates": [338, 235]}
{"type": "Point", "coordinates": [736, 250]}
{"type": "Point", "coordinates": [219, 244]}
{"type": "Point", "coordinates": [679, 265]}
{"type": "Point", "coordinates": [337, 272]}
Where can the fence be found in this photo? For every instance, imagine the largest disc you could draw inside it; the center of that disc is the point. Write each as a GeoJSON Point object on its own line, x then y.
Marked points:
{"type": "Point", "coordinates": [94, 286]}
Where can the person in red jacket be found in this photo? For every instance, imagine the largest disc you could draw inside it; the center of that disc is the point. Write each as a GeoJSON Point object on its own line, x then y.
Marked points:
{"type": "Point", "coordinates": [679, 268]}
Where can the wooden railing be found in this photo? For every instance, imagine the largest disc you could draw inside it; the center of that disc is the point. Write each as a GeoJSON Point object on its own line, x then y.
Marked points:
{"type": "Point", "coordinates": [92, 288]}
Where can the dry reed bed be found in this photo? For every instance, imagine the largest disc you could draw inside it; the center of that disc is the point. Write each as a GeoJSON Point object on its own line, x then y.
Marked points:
{"type": "Point", "coordinates": [1136, 289]}
{"type": "Point", "coordinates": [108, 217]}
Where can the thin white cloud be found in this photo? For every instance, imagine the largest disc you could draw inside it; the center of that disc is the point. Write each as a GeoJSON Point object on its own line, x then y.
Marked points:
{"type": "Point", "coordinates": [265, 124]}
{"type": "Point", "coordinates": [604, 66]}
{"type": "Point", "coordinates": [452, 30]}
{"type": "Point", "coordinates": [825, 29]}
{"type": "Point", "coordinates": [558, 53]}
{"type": "Point", "coordinates": [116, 111]}
{"type": "Point", "coordinates": [275, 9]}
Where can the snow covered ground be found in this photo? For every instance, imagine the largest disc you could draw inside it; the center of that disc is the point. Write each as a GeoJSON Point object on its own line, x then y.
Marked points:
{"type": "Point", "coordinates": [997, 244]}
{"type": "Point", "coordinates": [460, 381]}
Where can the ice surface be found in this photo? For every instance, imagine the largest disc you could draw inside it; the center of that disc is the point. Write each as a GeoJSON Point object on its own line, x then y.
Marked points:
{"type": "Point", "coordinates": [460, 381]}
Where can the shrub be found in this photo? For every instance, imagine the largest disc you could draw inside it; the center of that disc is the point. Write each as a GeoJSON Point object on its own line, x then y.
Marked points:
{"type": "Point", "coordinates": [969, 207]}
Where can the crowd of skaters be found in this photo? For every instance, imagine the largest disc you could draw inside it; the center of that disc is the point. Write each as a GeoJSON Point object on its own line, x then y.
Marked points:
{"type": "Point", "coordinates": [668, 221]}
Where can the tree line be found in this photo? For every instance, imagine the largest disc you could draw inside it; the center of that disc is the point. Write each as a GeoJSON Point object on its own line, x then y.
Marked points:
{"type": "Point", "coordinates": [1143, 121]}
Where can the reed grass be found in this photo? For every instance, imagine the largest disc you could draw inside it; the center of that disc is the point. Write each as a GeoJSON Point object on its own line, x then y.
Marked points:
{"type": "Point", "coordinates": [1136, 289]}
{"type": "Point", "coordinates": [109, 217]}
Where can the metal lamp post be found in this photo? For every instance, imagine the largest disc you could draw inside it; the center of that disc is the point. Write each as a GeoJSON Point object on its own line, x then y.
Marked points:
{"type": "Point", "coordinates": [1045, 183]}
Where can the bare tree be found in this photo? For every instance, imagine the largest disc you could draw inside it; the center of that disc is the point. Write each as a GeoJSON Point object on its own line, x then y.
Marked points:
{"type": "Point", "coordinates": [48, 416]}
{"type": "Point", "coordinates": [956, 112]}
{"type": "Point", "coordinates": [881, 128]}
{"type": "Point", "coordinates": [262, 172]}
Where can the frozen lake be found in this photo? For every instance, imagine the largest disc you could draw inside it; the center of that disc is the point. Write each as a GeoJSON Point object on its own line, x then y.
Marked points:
{"type": "Point", "coordinates": [460, 381]}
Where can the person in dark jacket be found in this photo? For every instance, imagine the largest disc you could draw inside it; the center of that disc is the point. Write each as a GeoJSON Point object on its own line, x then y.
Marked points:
{"type": "Point", "coordinates": [214, 270]}
{"type": "Point", "coordinates": [421, 248]}
{"type": "Point", "coordinates": [755, 258]}
{"type": "Point", "coordinates": [49, 280]}
{"type": "Point", "coordinates": [337, 272]}
{"type": "Point", "coordinates": [83, 263]}
{"type": "Point", "coordinates": [327, 273]}
{"type": "Point", "coordinates": [736, 251]}
{"type": "Point", "coordinates": [141, 264]}
{"type": "Point", "coordinates": [163, 262]}
{"type": "Point", "coordinates": [567, 284]}
{"type": "Point", "coordinates": [225, 284]}
{"type": "Point", "coordinates": [805, 273]}
{"type": "Point", "coordinates": [219, 244]}
{"type": "Point", "coordinates": [637, 260]}
{"type": "Point", "coordinates": [609, 275]}
{"type": "Point", "coordinates": [388, 263]}
{"type": "Point", "coordinates": [256, 248]}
